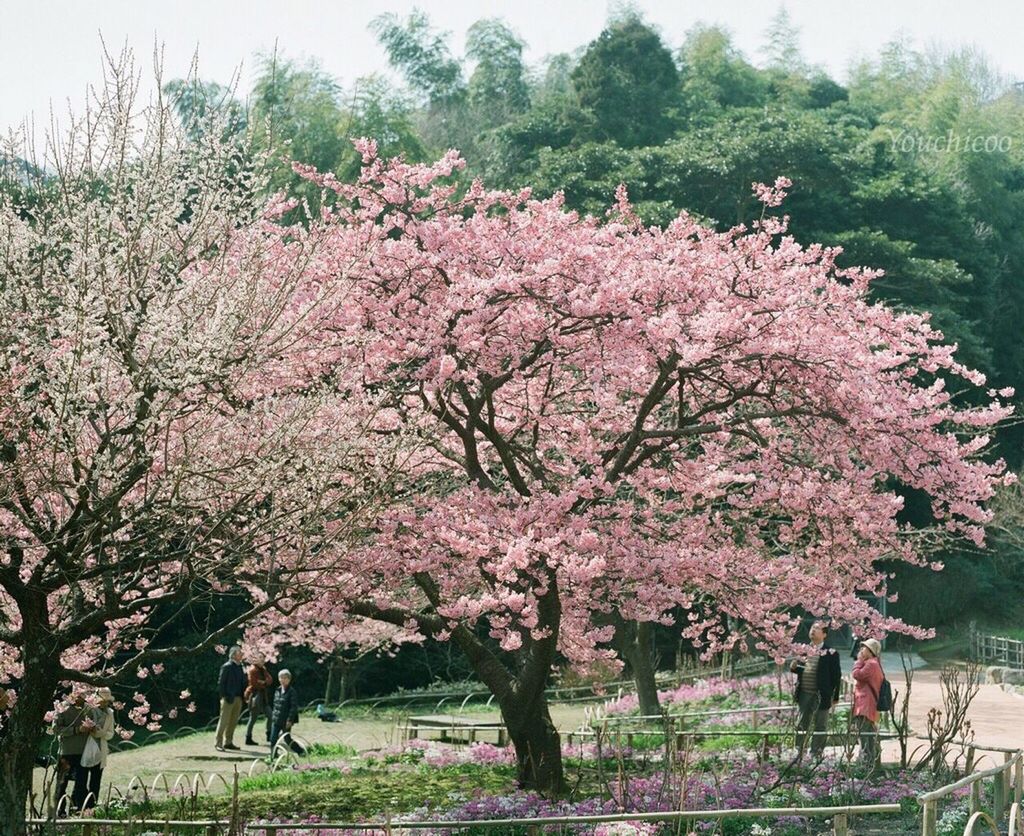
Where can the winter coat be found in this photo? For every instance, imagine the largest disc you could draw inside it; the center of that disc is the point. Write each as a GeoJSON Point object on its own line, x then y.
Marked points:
{"type": "Point", "coordinates": [232, 681]}
{"type": "Point", "coordinates": [71, 740]}
{"type": "Point", "coordinates": [259, 680]}
{"type": "Point", "coordinates": [286, 707]}
{"type": "Point", "coordinates": [867, 682]}
{"type": "Point", "coordinates": [830, 676]}
{"type": "Point", "coordinates": [104, 732]}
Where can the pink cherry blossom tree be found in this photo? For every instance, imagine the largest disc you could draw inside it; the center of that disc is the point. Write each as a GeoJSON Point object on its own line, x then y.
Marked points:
{"type": "Point", "coordinates": [173, 423]}
{"type": "Point", "coordinates": [621, 420]}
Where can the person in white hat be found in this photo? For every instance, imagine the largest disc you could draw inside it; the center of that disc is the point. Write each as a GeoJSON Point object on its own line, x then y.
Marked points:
{"type": "Point", "coordinates": [102, 731]}
{"type": "Point", "coordinates": [867, 683]}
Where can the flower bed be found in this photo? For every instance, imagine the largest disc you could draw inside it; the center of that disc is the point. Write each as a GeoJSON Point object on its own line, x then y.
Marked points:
{"type": "Point", "coordinates": [735, 783]}
{"type": "Point", "coordinates": [710, 694]}
{"type": "Point", "coordinates": [712, 784]}
{"type": "Point", "coordinates": [426, 780]}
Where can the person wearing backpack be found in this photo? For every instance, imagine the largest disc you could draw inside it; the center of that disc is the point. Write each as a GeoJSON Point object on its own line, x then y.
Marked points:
{"type": "Point", "coordinates": [868, 679]}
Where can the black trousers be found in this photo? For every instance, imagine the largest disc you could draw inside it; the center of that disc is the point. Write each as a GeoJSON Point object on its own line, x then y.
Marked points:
{"type": "Point", "coordinates": [87, 786]}
{"type": "Point", "coordinates": [258, 705]}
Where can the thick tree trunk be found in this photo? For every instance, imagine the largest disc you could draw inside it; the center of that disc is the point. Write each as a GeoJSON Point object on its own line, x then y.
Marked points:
{"type": "Point", "coordinates": [641, 660]}
{"type": "Point", "coordinates": [19, 746]}
{"type": "Point", "coordinates": [520, 695]}
{"type": "Point", "coordinates": [537, 743]}
{"type": "Point", "coordinates": [633, 644]}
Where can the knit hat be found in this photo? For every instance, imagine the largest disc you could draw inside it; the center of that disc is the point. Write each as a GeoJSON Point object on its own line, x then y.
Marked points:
{"type": "Point", "coordinates": [874, 646]}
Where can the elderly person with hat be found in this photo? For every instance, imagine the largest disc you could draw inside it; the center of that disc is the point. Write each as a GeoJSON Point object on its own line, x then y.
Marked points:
{"type": "Point", "coordinates": [867, 682]}
{"type": "Point", "coordinates": [71, 727]}
{"type": "Point", "coordinates": [101, 730]}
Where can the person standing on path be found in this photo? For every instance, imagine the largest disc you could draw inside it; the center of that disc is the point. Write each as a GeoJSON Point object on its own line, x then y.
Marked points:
{"type": "Point", "coordinates": [817, 690]}
{"type": "Point", "coordinates": [231, 687]}
{"type": "Point", "coordinates": [71, 726]}
{"type": "Point", "coordinates": [286, 709]}
{"type": "Point", "coordinates": [103, 730]}
{"type": "Point", "coordinates": [257, 697]}
{"type": "Point", "coordinates": [867, 683]}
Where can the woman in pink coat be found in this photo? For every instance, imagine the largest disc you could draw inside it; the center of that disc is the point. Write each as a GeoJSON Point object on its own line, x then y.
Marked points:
{"type": "Point", "coordinates": [867, 682]}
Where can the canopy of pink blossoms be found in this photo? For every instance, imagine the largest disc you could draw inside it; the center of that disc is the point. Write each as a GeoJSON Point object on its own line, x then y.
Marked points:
{"type": "Point", "coordinates": [632, 418]}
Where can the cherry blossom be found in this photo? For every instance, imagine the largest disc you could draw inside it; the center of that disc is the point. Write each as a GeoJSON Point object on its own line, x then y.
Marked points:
{"type": "Point", "coordinates": [630, 421]}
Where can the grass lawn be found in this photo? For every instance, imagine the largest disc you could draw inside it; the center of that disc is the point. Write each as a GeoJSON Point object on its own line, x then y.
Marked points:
{"type": "Point", "coordinates": [333, 794]}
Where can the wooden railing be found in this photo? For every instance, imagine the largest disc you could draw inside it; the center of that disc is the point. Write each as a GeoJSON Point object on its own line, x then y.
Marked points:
{"type": "Point", "coordinates": [89, 826]}
{"type": "Point", "coordinates": [1006, 778]}
{"type": "Point", "coordinates": [998, 650]}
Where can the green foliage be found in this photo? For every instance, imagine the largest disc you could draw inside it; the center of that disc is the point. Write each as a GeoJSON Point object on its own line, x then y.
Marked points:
{"type": "Point", "coordinates": [330, 750]}
{"type": "Point", "coordinates": [422, 56]}
{"type": "Point", "coordinates": [378, 111]}
{"type": "Point", "coordinates": [782, 44]}
{"type": "Point", "coordinates": [497, 88]}
{"type": "Point", "coordinates": [628, 80]}
{"type": "Point", "coordinates": [714, 75]}
{"type": "Point", "coordinates": [296, 106]}
{"type": "Point", "coordinates": [199, 103]}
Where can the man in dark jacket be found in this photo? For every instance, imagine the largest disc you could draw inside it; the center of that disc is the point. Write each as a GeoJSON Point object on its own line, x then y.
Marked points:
{"type": "Point", "coordinates": [817, 690]}
{"type": "Point", "coordinates": [231, 687]}
{"type": "Point", "coordinates": [286, 708]}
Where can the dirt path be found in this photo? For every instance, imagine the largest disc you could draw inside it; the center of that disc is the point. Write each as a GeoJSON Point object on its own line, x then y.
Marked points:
{"type": "Point", "coordinates": [997, 717]}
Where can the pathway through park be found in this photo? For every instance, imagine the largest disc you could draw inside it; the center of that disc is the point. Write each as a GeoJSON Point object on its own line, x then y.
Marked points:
{"type": "Point", "coordinates": [995, 719]}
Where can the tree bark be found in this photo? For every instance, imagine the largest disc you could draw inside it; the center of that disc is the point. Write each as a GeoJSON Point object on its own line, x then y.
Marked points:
{"type": "Point", "coordinates": [331, 667]}
{"type": "Point", "coordinates": [537, 743]}
{"type": "Point", "coordinates": [633, 644]}
{"type": "Point", "coordinates": [639, 655]}
{"type": "Point", "coordinates": [518, 690]}
{"type": "Point", "coordinates": [19, 743]}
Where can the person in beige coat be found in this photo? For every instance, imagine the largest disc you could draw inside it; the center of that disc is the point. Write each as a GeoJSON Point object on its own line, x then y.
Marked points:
{"type": "Point", "coordinates": [102, 732]}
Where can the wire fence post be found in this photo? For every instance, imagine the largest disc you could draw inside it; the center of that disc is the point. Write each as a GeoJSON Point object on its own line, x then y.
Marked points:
{"type": "Point", "coordinates": [840, 826]}
{"type": "Point", "coordinates": [1007, 779]}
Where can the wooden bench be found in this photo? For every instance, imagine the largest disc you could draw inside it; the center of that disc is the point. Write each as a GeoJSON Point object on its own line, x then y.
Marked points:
{"type": "Point", "coordinates": [452, 728]}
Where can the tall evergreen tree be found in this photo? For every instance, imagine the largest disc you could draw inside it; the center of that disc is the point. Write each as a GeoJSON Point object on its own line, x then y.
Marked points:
{"type": "Point", "coordinates": [628, 79]}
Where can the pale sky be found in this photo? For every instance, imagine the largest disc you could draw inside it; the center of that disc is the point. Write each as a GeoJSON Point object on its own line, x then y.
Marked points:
{"type": "Point", "coordinates": [50, 49]}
